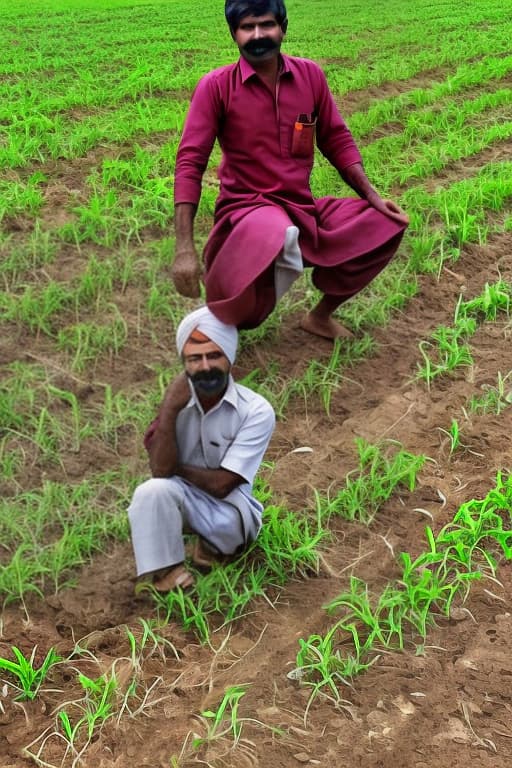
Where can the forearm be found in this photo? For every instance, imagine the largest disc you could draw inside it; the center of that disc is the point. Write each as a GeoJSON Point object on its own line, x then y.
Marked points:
{"type": "Point", "coordinates": [184, 215]}
{"type": "Point", "coordinates": [162, 450]}
{"type": "Point", "coordinates": [355, 176]}
{"type": "Point", "coordinates": [216, 482]}
{"type": "Point", "coordinates": [163, 446]}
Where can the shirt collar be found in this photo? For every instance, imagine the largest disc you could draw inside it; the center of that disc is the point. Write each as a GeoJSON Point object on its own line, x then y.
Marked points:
{"type": "Point", "coordinates": [247, 70]}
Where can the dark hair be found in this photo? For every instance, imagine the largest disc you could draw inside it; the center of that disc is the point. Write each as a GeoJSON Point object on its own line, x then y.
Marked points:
{"type": "Point", "coordinates": [235, 10]}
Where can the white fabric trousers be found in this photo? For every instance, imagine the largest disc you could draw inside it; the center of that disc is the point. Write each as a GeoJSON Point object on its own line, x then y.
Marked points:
{"type": "Point", "coordinates": [162, 508]}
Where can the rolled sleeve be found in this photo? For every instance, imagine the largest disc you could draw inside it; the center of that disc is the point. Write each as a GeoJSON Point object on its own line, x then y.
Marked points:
{"type": "Point", "coordinates": [246, 452]}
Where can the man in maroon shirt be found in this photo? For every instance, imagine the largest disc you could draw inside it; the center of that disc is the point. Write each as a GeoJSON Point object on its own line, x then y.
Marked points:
{"type": "Point", "coordinates": [266, 110]}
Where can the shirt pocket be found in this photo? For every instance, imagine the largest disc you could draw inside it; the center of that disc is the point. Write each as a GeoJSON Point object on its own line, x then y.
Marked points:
{"type": "Point", "coordinates": [303, 138]}
{"type": "Point", "coordinates": [216, 449]}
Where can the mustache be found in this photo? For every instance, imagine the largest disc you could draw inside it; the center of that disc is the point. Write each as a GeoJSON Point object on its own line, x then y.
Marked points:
{"type": "Point", "coordinates": [210, 383]}
{"type": "Point", "coordinates": [261, 46]}
{"type": "Point", "coordinates": [214, 374]}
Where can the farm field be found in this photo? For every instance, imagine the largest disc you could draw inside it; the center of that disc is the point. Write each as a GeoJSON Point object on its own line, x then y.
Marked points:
{"type": "Point", "coordinates": [370, 623]}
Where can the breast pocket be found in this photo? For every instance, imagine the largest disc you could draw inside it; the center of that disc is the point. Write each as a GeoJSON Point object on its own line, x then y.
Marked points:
{"type": "Point", "coordinates": [303, 139]}
{"type": "Point", "coordinates": [216, 449]}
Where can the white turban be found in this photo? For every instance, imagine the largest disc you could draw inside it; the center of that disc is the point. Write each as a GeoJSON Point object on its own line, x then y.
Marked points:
{"type": "Point", "coordinates": [225, 336]}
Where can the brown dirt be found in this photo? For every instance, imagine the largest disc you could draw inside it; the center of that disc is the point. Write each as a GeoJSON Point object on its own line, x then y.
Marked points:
{"type": "Point", "coordinates": [447, 703]}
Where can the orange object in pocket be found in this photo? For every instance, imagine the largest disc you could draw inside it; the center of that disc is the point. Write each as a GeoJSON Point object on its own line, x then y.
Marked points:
{"type": "Point", "coordinates": [303, 139]}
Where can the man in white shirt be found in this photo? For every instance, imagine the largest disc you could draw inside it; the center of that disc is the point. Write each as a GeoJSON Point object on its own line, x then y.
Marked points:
{"type": "Point", "coordinates": [204, 448]}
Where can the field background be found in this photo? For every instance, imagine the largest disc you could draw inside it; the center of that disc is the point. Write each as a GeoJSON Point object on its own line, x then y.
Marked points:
{"type": "Point", "coordinates": [93, 94]}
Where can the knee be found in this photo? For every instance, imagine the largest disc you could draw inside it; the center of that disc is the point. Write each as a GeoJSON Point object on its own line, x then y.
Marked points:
{"type": "Point", "coordinates": [151, 492]}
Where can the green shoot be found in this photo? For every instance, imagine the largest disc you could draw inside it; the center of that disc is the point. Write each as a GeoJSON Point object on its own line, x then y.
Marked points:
{"type": "Point", "coordinates": [29, 678]}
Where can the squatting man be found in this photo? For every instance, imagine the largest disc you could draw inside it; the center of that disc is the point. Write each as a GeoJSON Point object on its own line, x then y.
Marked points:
{"type": "Point", "coordinates": [267, 111]}
{"type": "Point", "coordinates": [204, 448]}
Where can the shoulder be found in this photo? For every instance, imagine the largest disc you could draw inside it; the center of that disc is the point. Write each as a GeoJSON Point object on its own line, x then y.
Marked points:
{"type": "Point", "coordinates": [306, 66]}
{"type": "Point", "coordinates": [218, 75]}
{"type": "Point", "coordinates": [307, 73]}
{"type": "Point", "coordinates": [253, 403]}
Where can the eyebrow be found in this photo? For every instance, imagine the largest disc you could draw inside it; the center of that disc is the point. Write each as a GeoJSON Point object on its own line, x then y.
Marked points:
{"type": "Point", "coordinates": [215, 354]}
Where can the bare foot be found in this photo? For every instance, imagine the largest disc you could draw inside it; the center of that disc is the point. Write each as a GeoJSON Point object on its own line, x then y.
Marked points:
{"type": "Point", "coordinates": [328, 329]}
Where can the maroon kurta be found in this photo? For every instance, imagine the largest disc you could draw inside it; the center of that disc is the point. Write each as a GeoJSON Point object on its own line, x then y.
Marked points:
{"type": "Point", "coordinates": [264, 189]}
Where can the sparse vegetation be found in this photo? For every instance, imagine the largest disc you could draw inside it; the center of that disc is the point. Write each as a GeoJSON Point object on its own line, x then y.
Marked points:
{"type": "Point", "coordinates": [93, 96]}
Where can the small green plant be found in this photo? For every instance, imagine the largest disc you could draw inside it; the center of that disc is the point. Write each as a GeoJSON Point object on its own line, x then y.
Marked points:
{"type": "Point", "coordinates": [450, 343]}
{"type": "Point", "coordinates": [223, 727]}
{"type": "Point", "coordinates": [451, 354]}
{"type": "Point", "coordinates": [322, 667]}
{"type": "Point", "coordinates": [97, 708]}
{"type": "Point", "coordinates": [29, 678]}
{"type": "Point", "coordinates": [495, 398]}
{"type": "Point", "coordinates": [369, 486]}
{"type": "Point", "coordinates": [224, 722]}
{"type": "Point", "coordinates": [453, 435]}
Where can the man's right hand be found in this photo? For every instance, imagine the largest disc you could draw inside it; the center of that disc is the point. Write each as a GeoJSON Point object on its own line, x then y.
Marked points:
{"type": "Point", "coordinates": [162, 447]}
{"type": "Point", "coordinates": [178, 393]}
{"type": "Point", "coordinates": [187, 272]}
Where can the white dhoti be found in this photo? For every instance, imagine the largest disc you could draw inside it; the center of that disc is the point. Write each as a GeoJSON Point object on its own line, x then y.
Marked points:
{"type": "Point", "coordinates": [162, 508]}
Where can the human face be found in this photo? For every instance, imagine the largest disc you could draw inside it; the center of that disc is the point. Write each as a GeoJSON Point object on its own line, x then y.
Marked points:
{"type": "Point", "coordinates": [208, 369]}
{"type": "Point", "coordinates": [259, 38]}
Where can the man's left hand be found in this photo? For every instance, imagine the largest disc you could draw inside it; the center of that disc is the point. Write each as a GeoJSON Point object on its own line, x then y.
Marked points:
{"type": "Point", "coordinates": [388, 208]}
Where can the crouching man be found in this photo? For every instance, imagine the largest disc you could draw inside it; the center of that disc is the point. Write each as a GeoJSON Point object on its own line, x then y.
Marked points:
{"type": "Point", "coordinates": [204, 448]}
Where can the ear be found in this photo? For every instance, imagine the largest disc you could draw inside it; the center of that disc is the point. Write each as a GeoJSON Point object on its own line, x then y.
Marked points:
{"type": "Point", "coordinates": [284, 26]}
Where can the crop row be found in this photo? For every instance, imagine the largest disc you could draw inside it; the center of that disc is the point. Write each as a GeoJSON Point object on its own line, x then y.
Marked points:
{"type": "Point", "coordinates": [459, 554]}
{"type": "Point", "coordinates": [32, 407]}
{"type": "Point", "coordinates": [460, 208]}
{"type": "Point", "coordinates": [429, 586]}
{"type": "Point", "coordinates": [49, 418]}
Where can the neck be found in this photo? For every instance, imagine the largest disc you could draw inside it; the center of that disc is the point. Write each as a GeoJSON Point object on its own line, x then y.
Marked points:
{"type": "Point", "coordinates": [268, 69]}
{"type": "Point", "coordinates": [207, 403]}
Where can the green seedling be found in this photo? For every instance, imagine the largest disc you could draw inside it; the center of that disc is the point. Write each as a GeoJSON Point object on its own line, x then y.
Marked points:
{"type": "Point", "coordinates": [97, 708]}
{"type": "Point", "coordinates": [224, 727]}
{"type": "Point", "coordinates": [224, 722]}
{"type": "Point", "coordinates": [450, 343]}
{"type": "Point", "coordinates": [494, 299]}
{"type": "Point", "coordinates": [453, 435]}
{"type": "Point", "coordinates": [451, 355]}
{"type": "Point", "coordinates": [321, 666]}
{"type": "Point", "coordinates": [80, 431]}
{"type": "Point", "coordinates": [29, 678]}
{"type": "Point", "coordinates": [495, 398]}
{"type": "Point", "coordinates": [99, 700]}
{"type": "Point", "coordinates": [139, 646]}
{"type": "Point", "coordinates": [87, 341]}
{"type": "Point", "coordinates": [368, 487]}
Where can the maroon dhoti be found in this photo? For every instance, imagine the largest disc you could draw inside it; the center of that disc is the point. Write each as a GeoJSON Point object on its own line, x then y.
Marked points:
{"type": "Point", "coordinates": [345, 241]}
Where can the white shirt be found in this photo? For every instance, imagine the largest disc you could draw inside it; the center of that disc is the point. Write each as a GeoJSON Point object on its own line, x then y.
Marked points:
{"type": "Point", "coordinates": [232, 435]}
